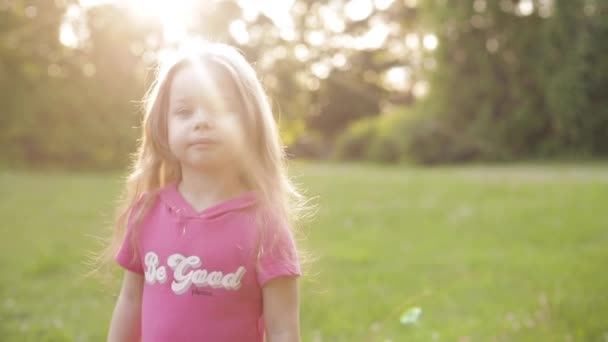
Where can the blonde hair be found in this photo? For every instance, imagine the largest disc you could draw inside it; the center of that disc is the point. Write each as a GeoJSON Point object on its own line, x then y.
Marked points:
{"type": "Point", "coordinates": [154, 165]}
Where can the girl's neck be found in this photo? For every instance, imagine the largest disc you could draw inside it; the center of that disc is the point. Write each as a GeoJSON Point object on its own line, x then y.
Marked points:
{"type": "Point", "coordinates": [205, 188]}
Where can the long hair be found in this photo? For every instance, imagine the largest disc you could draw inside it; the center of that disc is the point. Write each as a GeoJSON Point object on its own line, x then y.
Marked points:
{"type": "Point", "coordinates": [154, 165]}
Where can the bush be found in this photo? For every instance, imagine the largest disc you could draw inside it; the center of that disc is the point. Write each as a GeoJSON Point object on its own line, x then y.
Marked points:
{"type": "Point", "coordinates": [432, 141]}
{"type": "Point", "coordinates": [308, 147]}
{"type": "Point", "coordinates": [353, 143]}
{"type": "Point", "coordinates": [380, 138]}
{"type": "Point", "coordinates": [405, 134]}
{"type": "Point", "coordinates": [388, 142]}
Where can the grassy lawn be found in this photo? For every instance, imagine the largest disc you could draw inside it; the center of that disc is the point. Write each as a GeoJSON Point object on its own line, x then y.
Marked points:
{"type": "Point", "coordinates": [489, 253]}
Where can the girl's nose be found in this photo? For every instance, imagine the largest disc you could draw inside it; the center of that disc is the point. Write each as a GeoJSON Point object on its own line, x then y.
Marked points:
{"type": "Point", "coordinates": [202, 119]}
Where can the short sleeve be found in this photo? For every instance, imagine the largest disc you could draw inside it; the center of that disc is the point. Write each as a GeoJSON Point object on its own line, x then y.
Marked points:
{"type": "Point", "coordinates": [128, 255]}
{"type": "Point", "coordinates": [278, 253]}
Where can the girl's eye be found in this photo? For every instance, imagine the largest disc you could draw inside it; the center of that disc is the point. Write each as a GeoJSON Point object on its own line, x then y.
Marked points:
{"type": "Point", "coordinates": [220, 106]}
{"type": "Point", "coordinates": [230, 106]}
{"type": "Point", "coordinates": [183, 111]}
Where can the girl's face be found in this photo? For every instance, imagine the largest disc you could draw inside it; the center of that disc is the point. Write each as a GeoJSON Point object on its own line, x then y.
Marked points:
{"type": "Point", "coordinates": [204, 119]}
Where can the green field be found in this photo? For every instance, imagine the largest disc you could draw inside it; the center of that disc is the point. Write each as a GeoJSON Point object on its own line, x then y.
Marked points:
{"type": "Point", "coordinates": [489, 253]}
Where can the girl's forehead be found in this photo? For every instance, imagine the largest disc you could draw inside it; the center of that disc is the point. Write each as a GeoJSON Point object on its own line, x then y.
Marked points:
{"type": "Point", "coordinates": [201, 80]}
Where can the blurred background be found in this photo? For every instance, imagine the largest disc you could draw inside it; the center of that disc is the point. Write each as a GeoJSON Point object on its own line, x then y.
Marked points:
{"type": "Point", "coordinates": [456, 149]}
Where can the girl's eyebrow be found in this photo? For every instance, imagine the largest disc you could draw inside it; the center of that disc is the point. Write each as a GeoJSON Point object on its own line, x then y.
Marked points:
{"type": "Point", "coordinates": [183, 100]}
{"type": "Point", "coordinates": [227, 95]}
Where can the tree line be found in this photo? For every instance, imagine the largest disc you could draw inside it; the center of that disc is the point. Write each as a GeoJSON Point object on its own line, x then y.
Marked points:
{"type": "Point", "coordinates": [426, 81]}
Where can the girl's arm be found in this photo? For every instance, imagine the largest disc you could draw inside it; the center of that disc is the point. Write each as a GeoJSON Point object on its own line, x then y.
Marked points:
{"type": "Point", "coordinates": [282, 309]}
{"type": "Point", "coordinates": [126, 319]}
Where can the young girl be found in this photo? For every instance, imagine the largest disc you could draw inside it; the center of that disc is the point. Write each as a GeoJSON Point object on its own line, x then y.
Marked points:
{"type": "Point", "coordinates": [205, 231]}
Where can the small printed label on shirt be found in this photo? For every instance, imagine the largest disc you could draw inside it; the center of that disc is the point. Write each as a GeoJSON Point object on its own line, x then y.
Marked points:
{"type": "Point", "coordinates": [199, 292]}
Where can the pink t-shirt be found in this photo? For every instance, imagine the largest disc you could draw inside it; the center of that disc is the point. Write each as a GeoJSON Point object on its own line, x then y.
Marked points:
{"type": "Point", "coordinates": [202, 281]}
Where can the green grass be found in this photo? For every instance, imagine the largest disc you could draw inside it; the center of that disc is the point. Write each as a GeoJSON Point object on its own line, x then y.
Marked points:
{"type": "Point", "coordinates": [490, 253]}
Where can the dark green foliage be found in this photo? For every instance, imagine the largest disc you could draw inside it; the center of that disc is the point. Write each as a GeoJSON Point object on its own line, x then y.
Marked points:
{"type": "Point", "coordinates": [353, 143]}
{"type": "Point", "coordinates": [66, 106]}
{"type": "Point", "coordinates": [503, 86]}
{"type": "Point", "coordinates": [381, 139]}
{"type": "Point", "coordinates": [514, 86]}
{"type": "Point", "coordinates": [507, 86]}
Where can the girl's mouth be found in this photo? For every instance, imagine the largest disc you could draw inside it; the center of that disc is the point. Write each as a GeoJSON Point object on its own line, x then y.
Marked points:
{"type": "Point", "coordinates": [202, 143]}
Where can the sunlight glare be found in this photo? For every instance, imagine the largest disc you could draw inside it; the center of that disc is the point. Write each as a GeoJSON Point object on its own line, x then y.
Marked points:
{"type": "Point", "coordinates": [315, 38]}
{"type": "Point", "coordinates": [383, 4]}
{"type": "Point", "coordinates": [175, 16]}
{"type": "Point", "coordinates": [398, 78]}
{"type": "Point", "coordinates": [70, 26]}
{"type": "Point", "coordinates": [339, 60]}
{"type": "Point", "coordinates": [374, 38]}
{"type": "Point", "coordinates": [174, 31]}
{"type": "Point", "coordinates": [357, 10]}
{"type": "Point", "coordinates": [412, 41]}
{"type": "Point", "coordinates": [420, 89]}
{"type": "Point", "coordinates": [331, 20]}
{"type": "Point", "coordinates": [320, 70]}
{"type": "Point", "coordinates": [301, 52]}
{"type": "Point", "coordinates": [525, 7]}
{"type": "Point", "coordinates": [276, 10]}
{"type": "Point", "coordinates": [67, 36]}
{"type": "Point", "coordinates": [430, 41]}
{"type": "Point", "coordinates": [238, 30]}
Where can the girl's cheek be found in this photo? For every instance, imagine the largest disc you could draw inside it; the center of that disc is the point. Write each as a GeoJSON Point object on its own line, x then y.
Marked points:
{"type": "Point", "coordinates": [236, 131]}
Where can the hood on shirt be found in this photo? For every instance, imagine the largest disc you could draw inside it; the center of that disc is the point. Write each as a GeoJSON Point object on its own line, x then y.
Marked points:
{"type": "Point", "coordinates": [177, 204]}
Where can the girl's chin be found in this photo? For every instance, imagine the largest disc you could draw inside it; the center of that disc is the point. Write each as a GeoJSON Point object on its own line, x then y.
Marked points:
{"type": "Point", "coordinates": [206, 160]}
{"type": "Point", "coordinates": [203, 146]}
